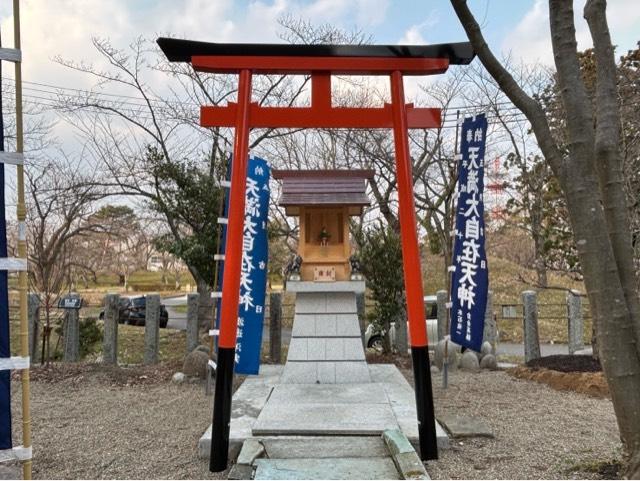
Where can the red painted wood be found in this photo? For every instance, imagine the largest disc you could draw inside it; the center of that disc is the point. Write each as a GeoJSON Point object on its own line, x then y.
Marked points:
{"type": "Point", "coordinates": [233, 250]}
{"type": "Point", "coordinates": [407, 217]}
{"type": "Point", "coordinates": [312, 117]}
{"type": "Point", "coordinates": [307, 65]}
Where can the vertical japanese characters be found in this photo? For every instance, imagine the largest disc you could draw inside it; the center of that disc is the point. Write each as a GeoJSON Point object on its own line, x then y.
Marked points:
{"type": "Point", "coordinates": [470, 278]}
{"type": "Point", "coordinates": [253, 270]}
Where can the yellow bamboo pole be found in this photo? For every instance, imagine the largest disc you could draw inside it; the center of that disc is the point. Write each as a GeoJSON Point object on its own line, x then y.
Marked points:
{"type": "Point", "coordinates": [22, 248]}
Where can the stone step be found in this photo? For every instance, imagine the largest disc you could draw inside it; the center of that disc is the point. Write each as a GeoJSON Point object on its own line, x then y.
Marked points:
{"type": "Point", "coordinates": [338, 468]}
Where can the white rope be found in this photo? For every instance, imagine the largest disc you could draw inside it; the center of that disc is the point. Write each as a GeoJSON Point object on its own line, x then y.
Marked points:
{"type": "Point", "coordinates": [223, 220]}
{"type": "Point", "coordinates": [214, 332]}
{"type": "Point", "coordinates": [213, 364]}
{"type": "Point", "coordinates": [448, 305]}
{"type": "Point", "coordinates": [14, 158]}
{"type": "Point", "coordinates": [14, 362]}
{"type": "Point", "coordinates": [218, 257]}
{"type": "Point", "coordinates": [216, 295]}
{"type": "Point", "coordinates": [451, 269]}
{"type": "Point", "coordinates": [225, 183]}
{"type": "Point", "coordinates": [10, 54]}
{"type": "Point", "coordinates": [13, 264]}
{"type": "Point", "coordinates": [19, 453]}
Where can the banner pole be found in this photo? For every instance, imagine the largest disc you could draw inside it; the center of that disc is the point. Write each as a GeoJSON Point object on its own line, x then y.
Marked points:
{"type": "Point", "coordinates": [219, 455]}
{"type": "Point", "coordinates": [413, 274]}
{"type": "Point", "coordinates": [22, 248]}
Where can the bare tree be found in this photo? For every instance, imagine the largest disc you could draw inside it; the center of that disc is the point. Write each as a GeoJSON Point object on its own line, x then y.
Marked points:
{"type": "Point", "coordinates": [590, 174]}
{"type": "Point", "coordinates": [62, 197]}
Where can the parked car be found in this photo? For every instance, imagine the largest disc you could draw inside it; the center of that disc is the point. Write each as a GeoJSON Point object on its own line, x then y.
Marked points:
{"type": "Point", "coordinates": [124, 304]}
{"type": "Point", "coordinates": [373, 338]}
{"type": "Point", "coordinates": [134, 310]}
{"type": "Point", "coordinates": [138, 312]}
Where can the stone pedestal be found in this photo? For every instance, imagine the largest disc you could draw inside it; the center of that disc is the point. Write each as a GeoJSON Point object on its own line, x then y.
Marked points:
{"type": "Point", "coordinates": [152, 329]}
{"type": "Point", "coordinates": [71, 333]}
{"type": "Point", "coordinates": [193, 301]}
{"type": "Point", "coordinates": [326, 347]}
{"type": "Point", "coordinates": [110, 341]}
{"type": "Point", "coordinates": [575, 322]}
{"type": "Point", "coordinates": [530, 314]}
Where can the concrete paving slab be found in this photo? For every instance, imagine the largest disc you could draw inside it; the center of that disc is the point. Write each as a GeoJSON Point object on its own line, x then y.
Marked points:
{"type": "Point", "coordinates": [247, 404]}
{"type": "Point", "coordinates": [324, 447]}
{"type": "Point", "coordinates": [251, 397]}
{"type": "Point", "coordinates": [298, 394]}
{"type": "Point", "coordinates": [338, 468]}
{"type": "Point", "coordinates": [324, 419]}
{"type": "Point", "coordinates": [465, 427]}
{"type": "Point", "coordinates": [403, 403]}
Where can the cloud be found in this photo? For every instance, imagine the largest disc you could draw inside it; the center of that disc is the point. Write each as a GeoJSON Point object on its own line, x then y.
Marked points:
{"type": "Point", "coordinates": [530, 40]}
{"type": "Point", "coordinates": [412, 36]}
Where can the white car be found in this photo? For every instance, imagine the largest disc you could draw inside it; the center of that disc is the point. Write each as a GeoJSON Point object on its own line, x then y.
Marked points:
{"type": "Point", "coordinates": [374, 338]}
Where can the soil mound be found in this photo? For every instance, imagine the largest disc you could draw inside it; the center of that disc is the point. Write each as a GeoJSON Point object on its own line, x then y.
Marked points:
{"type": "Point", "coordinates": [589, 383]}
{"type": "Point", "coordinates": [567, 363]}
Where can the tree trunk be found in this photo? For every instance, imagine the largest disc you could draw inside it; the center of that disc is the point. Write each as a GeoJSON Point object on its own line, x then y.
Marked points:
{"type": "Point", "coordinates": [589, 182]}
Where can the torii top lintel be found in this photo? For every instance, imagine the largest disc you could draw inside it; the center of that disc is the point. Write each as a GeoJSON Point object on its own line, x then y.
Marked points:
{"type": "Point", "coordinates": [320, 61]}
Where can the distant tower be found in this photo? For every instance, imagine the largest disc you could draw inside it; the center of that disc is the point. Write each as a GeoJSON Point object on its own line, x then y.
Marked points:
{"type": "Point", "coordinates": [496, 200]}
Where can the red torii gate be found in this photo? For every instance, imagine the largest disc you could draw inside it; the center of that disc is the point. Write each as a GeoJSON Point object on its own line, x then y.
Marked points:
{"type": "Point", "coordinates": [319, 61]}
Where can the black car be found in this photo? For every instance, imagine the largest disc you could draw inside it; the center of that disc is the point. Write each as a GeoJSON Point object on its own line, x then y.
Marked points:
{"type": "Point", "coordinates": [133, 311]}
{"type": "Point", "coordinates": [124, 303]}
{"type": "Point", "coordinates": [138, 311]}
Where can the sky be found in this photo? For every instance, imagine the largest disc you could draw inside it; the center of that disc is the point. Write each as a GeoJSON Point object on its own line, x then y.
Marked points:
{"type": "Point", "coordinates": [64, 28]}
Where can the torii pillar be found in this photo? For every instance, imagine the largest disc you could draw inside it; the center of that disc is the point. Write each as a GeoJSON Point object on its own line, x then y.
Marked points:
{"type": "Point", "coordinates": [319, 61]}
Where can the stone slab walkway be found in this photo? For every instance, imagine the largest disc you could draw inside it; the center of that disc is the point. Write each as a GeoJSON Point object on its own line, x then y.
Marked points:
{"type": "Point", "coordinates": [367, 409]}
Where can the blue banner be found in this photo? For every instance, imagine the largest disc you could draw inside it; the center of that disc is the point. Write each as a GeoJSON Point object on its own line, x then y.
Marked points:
{"type": "Point", "coordinates": [253, 274]}
{"type": "Point", "coordinates": [470, 280]}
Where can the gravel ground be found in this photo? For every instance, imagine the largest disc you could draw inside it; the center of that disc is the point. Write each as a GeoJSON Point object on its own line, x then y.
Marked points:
{"type": "Point", "coordinates": [539, 433]}
{"type": "Point", "coordinates": [93, 422]}
{"type": "Point", "coordinates": [94, 425]}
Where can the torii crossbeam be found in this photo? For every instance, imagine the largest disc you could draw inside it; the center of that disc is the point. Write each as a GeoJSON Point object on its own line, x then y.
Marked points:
{"type": "Point", "coordinates": [320, 62]}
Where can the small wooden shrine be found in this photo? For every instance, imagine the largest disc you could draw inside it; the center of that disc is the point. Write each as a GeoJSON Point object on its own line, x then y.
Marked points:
{"type": "Point", "coordinates": [323, 200]}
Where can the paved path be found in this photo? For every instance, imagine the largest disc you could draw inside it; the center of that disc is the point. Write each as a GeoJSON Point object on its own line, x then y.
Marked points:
{"type": "Point", "coordinates": [512, 349]}
{"type": "Point", "coordinates": [177, 320]}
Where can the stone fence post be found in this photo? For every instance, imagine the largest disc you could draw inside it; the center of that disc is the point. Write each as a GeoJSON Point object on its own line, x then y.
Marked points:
{"type": "Point", "coordinates": [362, 314]}
{"type": "Point", "coordinates": [275, 326]}
{"type": "Point", "coordinates": [193, 301]}
{"type": "Point", "coordinates": [71, 334]}
{"type": "Point", "coordinates": [152, 329]}
{"type": "Point", "coordinates": [490, 333]}
{"type": "Point", "coordinates": [530, 325]}
{"type": "Point", "coordinates": [110, 341]}
{"type": "Point", "coordinates": [441, 301]}
{"type": "Point", "coordinates": [574, 321]}
{"type": "Point", "coordinates": [34, 325]}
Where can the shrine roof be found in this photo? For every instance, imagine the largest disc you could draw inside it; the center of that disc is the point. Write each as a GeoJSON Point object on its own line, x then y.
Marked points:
{"type": "Point", "coordinates": [323, 187]}
{"type": "Point", "coordinates": [178, 50]}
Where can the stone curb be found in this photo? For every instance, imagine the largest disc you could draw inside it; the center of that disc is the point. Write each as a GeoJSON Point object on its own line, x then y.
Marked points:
{"type": "Point", "coordinates": [404, 456]}
{"type": "Point", "coordinates": [243, 468]}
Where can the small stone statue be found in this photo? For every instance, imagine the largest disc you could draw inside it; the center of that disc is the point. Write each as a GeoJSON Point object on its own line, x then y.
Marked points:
{"type": "Point", "coordinates": [292, 270]}
{"type": "Point", "coordinates": [324, 236]}
{"type": "Point", "coordinates": [356, 273]}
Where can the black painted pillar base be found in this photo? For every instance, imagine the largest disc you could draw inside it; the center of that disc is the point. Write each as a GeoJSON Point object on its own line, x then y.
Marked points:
{"type": "Point", "coordinates": [424, 403]}
{"type": "Point", "coordinates": [219, 455]}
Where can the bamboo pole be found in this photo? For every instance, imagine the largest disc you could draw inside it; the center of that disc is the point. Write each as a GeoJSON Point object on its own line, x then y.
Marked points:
{"type": "Point", "coordinates": [22, 248]}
